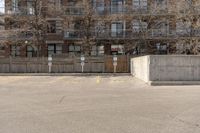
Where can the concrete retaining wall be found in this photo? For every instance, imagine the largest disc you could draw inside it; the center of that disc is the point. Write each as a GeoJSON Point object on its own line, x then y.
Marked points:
{"type": "Point", "coordinates": [166, 68]}
{"type": "Point", "coordinates": [140, 67]}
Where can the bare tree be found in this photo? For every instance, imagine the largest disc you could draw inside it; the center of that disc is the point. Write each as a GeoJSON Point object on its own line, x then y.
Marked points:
{"type": "Point", "coordinates": [189, 27]}
{"type": "Point", "coordinates": [27, 21]}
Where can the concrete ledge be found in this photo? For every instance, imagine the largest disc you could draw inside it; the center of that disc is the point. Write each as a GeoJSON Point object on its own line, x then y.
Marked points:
{"type": "Point", "coordinates": [65, 74]}
{"type": "Point", "coordinates": [172, 83]}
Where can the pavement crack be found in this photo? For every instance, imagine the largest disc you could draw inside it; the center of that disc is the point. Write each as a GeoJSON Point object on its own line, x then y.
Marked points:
{"type": "Point", "coordinates": [185, 122]}
{"type": "Point", "coordinates": [188, 123]}
{"type": "Point", "coordinates": [61, 99]}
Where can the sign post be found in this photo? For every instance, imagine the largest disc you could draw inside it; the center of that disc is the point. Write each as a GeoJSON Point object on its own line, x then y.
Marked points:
{"type": "Point", "coordinates": [50, 63]}
{"type": "Point", "coordinates": [115, 63]}
{"type": "Point", "coordinates": [82, 63]}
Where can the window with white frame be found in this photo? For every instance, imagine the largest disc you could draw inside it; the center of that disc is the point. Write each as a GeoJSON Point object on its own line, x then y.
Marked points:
{"type": "Point", "coordinates": [15, 5]}
{"type": "Point", "coordinates": [30, 51]}
{"type": "Point", "coordinates": [117, 6]}
{"type": "Point", "coordinates": [99, 6]}
{"type": "Point", "coordinates": [117, 29]}
{"type": "Point", "coordinates": [161, 48]}
{"type": "Point", "coordinates": [140, 4]}
{"type": "Point", "coordinates": [97, 50]}
{"type": "Point", "coordinates": [15, 50]}
{"type": "Point", "coordinates": [2, 6]}
{"type": "Point", "coordinates": [139, 26]}
{"type": "Point", "coordinates": [54, 49]}
{"type": "Point", "coordinates": [30, 7]}
{"type": "Point", "coordinates": [74, 49]}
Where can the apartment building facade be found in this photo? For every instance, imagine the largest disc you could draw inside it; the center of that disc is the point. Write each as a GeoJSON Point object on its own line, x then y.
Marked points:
{"type": "Point", "coordinates": [103, 27]}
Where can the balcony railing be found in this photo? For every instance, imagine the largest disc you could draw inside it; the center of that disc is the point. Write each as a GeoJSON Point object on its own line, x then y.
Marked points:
{"type": "Point", "coordinates": [73, 10]}
{"type": "Point", "coordinates": [130, 34]}
{"type": "Point", "coordinates": [196, 32]}
{"type": "Point", "coordinates": [109, 10]}
{"type": "Point", "coordinates": [109, 34]}
{"type": "Point", "coordinates": [105, 10]}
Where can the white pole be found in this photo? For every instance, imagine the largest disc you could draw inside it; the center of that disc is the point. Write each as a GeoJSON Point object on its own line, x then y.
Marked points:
{"type": "Point", "coordinates": [49, 68]}
{"type": "Point", "coordinates": [82, 68]}
{"type": "Point", "coordinates": [115, 68]}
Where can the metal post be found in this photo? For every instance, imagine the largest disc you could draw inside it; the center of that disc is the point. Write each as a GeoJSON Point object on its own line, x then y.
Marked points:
{"type": "Point", "coordinates": [82, 67]}
{"type": "Point", "coordinates": [115, 68]}
{"type": "Point", "coordinates": [115, 63]}
{"type": "Point", "coordinates": [50, 63]}
{"type": "Point", "coordinates": [49, 68]}
{"type": "Point", "coordinates": [10, 64]}
{"type": "Point", "coordinates": [82, 63]}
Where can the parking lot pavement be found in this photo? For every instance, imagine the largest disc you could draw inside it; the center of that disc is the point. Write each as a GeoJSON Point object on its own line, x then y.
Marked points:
{"type": "Point", "coordinates": [96, 104]}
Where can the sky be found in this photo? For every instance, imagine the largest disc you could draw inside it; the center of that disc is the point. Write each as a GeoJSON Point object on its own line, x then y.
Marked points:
{"type": "Point", "coordinates": [1, 6]}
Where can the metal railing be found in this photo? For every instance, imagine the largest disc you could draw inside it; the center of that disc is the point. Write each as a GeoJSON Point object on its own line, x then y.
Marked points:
{"type": "Point", "coordinates": [109, 10]}
{"type": "Point", "coordinates": [130, 34]}
{"type": "Point", "coordinates": [109, 34]}
{"type": "Point", "coordinates": [73, 10]}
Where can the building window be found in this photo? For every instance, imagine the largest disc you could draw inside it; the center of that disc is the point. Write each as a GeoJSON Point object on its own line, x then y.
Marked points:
{"type": "Point", "coordinates": [139, 26]}
{"type": "Point", "coordinates": [51, 27]}
{"type": "Point", "coordinates": [71, 2]}
{"type": "Point", "coordinates": [183, 28]}
{"type": "Point", "coordinates": [2, 47]}
{"type": "Point", "coordinates": [30, 51]}
{"type": "Point", "coordinates": [161, 4]}
{"type": "Point", "coordinates": [15, 50]}
{"type": "Point", "coordinates": [30, 7]}
{"type": "Point", "coordinates": [74, 49]}
{"type": "Point", "coordinates": [161, 48]}
{"type": "Point", "coordinates": [117, 49]}
{"type": "Point", "coordinates": [2, 50]}
{"type": "Point", "coordinates": [140, 4]}
{"type": "Point", "coordinates": [97, 50]}
{"type": "Point", "coordinates": [2, 7]}
{"type": "Point", "coordinates": [54, 49]}
{"type": "Point", "coordinates": [99, 6]}
{"type": "Point", "coordinates": [15, 5]}
{"type": "Point", "coordinates": [117, 6]}
{"type": "Point", "coordinates": [117, 29]}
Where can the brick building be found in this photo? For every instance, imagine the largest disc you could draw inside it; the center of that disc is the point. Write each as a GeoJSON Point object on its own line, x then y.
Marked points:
{"type": "Point", "coordinates": [108, 26]}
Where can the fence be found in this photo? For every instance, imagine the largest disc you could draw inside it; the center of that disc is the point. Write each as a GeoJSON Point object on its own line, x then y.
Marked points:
{"type": "Point", "coordinates": [103, 64]}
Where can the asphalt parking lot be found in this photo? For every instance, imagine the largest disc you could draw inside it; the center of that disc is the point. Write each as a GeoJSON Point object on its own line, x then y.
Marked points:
{"type": "Point", "coordinates": [96, 104]}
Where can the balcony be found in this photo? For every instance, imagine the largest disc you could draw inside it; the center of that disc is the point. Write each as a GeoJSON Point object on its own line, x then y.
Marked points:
{"type": "Point", "coordinates": [74, 10]}
{"type": "Point", "coordinates": [192, 32]}
{"type": "Point", "coordinates": [122, 34]}
{"type": "Point", "coordinates": [19, 35]}
{"type": "Point", "coordinates": [73, 34]}
{"type": "Point", "coordinates": [118, 9]}
{"type": "Point", "coordinates": [196, 32]}
{"type": "Point", "coordinates": [110, 10]}
{"type": "Point", "coordinates": [131, 34]}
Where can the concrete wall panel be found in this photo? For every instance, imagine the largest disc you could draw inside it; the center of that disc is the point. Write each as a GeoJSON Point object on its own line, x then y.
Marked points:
{"type": "Point", "coordinates": [167, 68]}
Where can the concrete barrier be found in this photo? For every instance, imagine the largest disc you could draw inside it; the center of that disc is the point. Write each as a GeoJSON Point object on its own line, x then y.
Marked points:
{"type": "Point", "coordinates": [161, 69]}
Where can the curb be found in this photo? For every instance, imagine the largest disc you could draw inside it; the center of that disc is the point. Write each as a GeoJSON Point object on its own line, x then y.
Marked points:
{"type": "Point", "coordinates": [173, 83]}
